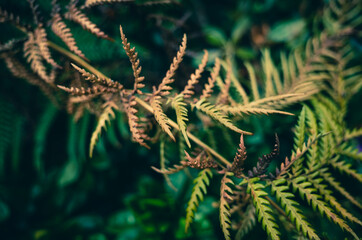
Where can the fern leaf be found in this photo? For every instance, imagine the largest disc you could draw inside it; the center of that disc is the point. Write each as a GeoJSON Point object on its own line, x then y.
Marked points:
{"type": "Point", "coordinates": [327, 194]}
{"type": "Point", "coordinates": [63, 32]}
{"type": "Point", "coordinates": [106, 82]}
{"type": "Point", "coordinates": [225, 196]}
{"type": "Point", "coordinates": [132, 55]}
{"type": "Point", "coordinates": [194, 78]}
{"type": "Point", "coordinates": [217, 114]}
{"type": "Point", "coordinates": [42, 41]}
{"type": "Point", "coordinates": [242, 109]}
{"type": "Point", "coordinates": [336, 185]}
{"type": "Point", "coordinates": [291, 208]}
{"type": "Point", "coordinates": [254, 85]}
{"type": "Point", "coordinates": [181, 114]}
{"type": "Point", "coordinates": [309, 193]}
{"type": "Point", "coordinates": [161, 117]}
{"type": "Point", "coordinates": [248, 222]}
{"type": "Point", "coordinates": [163, 89]}
{"type": "Point", "coordinates": [208, 88]}
{"type": "Point", "coordinates": [105, 117]}
{"type": "Point", "coordinates": [345, 168]}
{"type": "Point", "coordinates": [137, 131]}
{"type": "Point", "coordinates": [92, 3]}
{"type": "Point", "coordinates": [77, 16]}
{"type": "Point", "coordinates": [198, 191]}
{"type": "Point", "coordinates": [163, 164]}
{"type": "Point", "coordinates": [33, 55]}
{"type": "Point", "coordinates": [262, 206]}
{"type": "Point", "coordinates": [171, 170]}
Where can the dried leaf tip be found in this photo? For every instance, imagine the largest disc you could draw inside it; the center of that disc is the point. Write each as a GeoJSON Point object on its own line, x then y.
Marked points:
{"type": "Point", "coordinates": [132, 55]}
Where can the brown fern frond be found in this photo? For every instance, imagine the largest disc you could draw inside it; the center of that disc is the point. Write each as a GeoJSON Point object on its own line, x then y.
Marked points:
{"type": "Point", "coordinates": [239, 159]}
{"type": "Point", "coordinates": [132, 55]}
{"type": "Point", "coordinates": [5, 16]}
{"type": "Point", "coordinates": [224, 96]}
{"type": "Point", "coordinates": [163, 89]}
{"type": "Point", "coordinates": [106, 82]}
{"type": "Point", "coordinates": [92, 3]}
{"type": "Point", "coordinates": [75, 15]}
{"type": "Point", "coordinates": [33, 55]}
{"type": "Point", "coordinates": [94, 90]}
{"type": "Point", "coordinates": [201, 161]}
{"type": "Point", "coordinates": [138, 132]}
{"type": "Point", "coordinates": [42, 41]}
{"type": "Point", "coordinates": [20, 71]}
{"type": "Point", "coordinates": [265, 160]}
{"type": "Point", "coordinates": [208, 89]}
{"type": "Point", "coordinates": [194, 78]}
{"type": "Point", "coordinates": [63, 32]}
{"type": "Point", "coordinates": [284, 167]}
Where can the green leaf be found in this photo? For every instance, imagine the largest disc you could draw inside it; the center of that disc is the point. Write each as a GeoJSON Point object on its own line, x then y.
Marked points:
{"type": "Point", "coordinates": [287, 30]}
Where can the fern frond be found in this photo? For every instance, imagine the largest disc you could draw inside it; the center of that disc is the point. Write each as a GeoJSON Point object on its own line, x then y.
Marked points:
{"type": "Point", "coordinates": [208, 88]}
{"type": "Point", "coordinates": [93, 91]}
{"type": "Point", "coordinates": [194, 78]}
{"type": "Point", "coordinates": [163, 89]}
{"type": "Point", "coordinates": [161, 117]}
{"type": "Point", "coordinates": [105, 117]}
{"type": "Point", "coordinates": [296, 156]}
{"type": "Point", "coordinates": [181, 115]}
{"type": "Point", "coordinates": [75, 15]}
{"type": "Point", "coordinates": [262, 206]}
{"type": "Point", "coordinates": [163, 164]}
{"type": "Point", "coordinates": [225, 195]}
{"type": "Point", "coordinates": [350, 134]}
{"type": "Point", "coordinates": [327, 195]}
{"type": "Point", "coordinates": [92, 3]}
{"type": "Point", "coordinates": [132, 55]}
{"type": "Point", "coordinates": [345, 168]}
{"type": "Point", "coordinates": [217, 114]}
{"type": "Point", "coordinates": [309, 193]}
{"type": "Point", "coordinates": [198, 191]}
{"type": "Point", "coordinates": [239, 159]}
{"type": "Point", "coordinates": [138, 134]}
{"type": "Point", "coordinates": [336, 185]}
{"type": "Point", "coordinates": [248, 222]}
{"type": "Point", "coordinates": [171, 170]}
{"type": "Point", "coordinates": [223, 96]}
{"type": "Point", "coordinates": [254, 85]}
{"type": "Point", "coordinates": [241, 109]}
{"type": "Point", "coordinates": [42, 41]}
{"type": "Point", "coordinates": [291, 208]}
{"type": "Point", "coordinates": [201, 161]}
{"type": "Point", "coordinates": [63, 32]}
{"type": "Point", "coordinates": [106, 82]}
{"type": "Point", "coordinates": [33, 55]}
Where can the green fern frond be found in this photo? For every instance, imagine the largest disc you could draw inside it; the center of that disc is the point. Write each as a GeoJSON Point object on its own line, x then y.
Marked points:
{"type": "Point", "coordinates": [161, 117]}
{"type": "Point", "coordinates": [262, 207]}
{"type": "Point", "coordinates": [291, 208]}
{"type": "Point", "coordinates": [350, 134]}
{"type": "Point", "coordinates": [327, 176]}
{"type": "Point", "coordinates": [248, 222]}
{"type": "Point", "coordinates": [345, 168]}
{"type": "Point", "coordinates": [308, 193]}
{"type": "Point", "coordinates": [241, 109]}
{"type": "Point", "coordinates": [217, 114]}
{"type": "Point", "coordinates": [163, 163]}
{"type": "Point", "coordinates": [225, 196]}
{"type": "Point", "coordinates": [105, 117]}
{"type": "Point", "coordinates": [181, 115]}
{"type": "Point", "coordinates": [198, 191]}
{"type": "Point", "coordinates": [254, 84]}
{"type": "Point", "coordinates": [327, 194]}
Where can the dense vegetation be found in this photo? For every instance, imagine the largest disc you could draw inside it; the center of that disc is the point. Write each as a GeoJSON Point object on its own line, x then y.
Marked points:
{"type": "Point", "coordinates": [139, 119]}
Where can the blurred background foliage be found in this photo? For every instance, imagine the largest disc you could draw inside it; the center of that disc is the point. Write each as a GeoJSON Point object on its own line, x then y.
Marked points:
{"type": "Point", "coordinates": [51, 189]}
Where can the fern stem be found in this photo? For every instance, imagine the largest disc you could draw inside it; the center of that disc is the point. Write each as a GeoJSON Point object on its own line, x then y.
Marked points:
{"type": "Point", "coordinates": [276, 207]}
{"type": "Point", "coordinates": [142, 103]}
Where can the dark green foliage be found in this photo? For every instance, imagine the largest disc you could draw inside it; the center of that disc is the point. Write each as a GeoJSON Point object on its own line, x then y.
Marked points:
{"type": "Point", "coordinates": [87, 107]}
